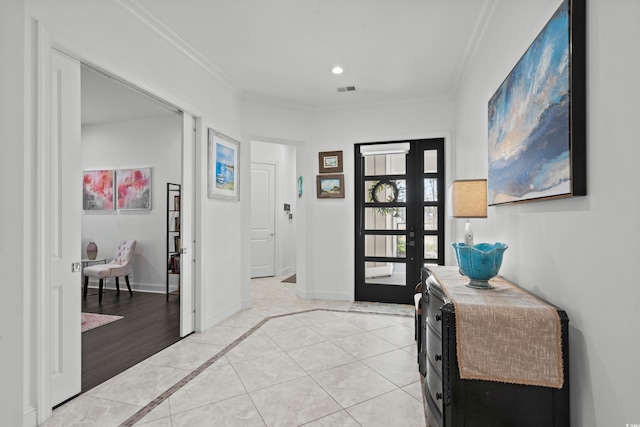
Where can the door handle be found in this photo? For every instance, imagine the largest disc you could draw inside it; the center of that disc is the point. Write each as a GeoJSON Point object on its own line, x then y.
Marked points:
{"type": "Point", "coordinates": [75, 267]}
{"type": "Point", "coordinates": [183, 250]}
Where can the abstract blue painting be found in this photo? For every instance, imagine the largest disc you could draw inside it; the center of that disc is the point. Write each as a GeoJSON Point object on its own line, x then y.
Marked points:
{"type": "Point", "coordinates": [530, 123]}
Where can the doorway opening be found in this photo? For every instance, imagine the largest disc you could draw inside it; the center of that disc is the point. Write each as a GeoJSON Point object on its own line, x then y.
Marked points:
{"type": "Point", "coordinates": [274, 196]}
{"type": "Point", "coordinates": [399, 216]}
{"type": "Point", "coordinates": [123, 128]}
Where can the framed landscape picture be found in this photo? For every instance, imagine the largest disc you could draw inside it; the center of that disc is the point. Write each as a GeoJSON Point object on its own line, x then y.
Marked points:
{"type": "Point", "coordinates": [537, 117]}
{"type": "Point", "coordinates": [223, 178]}
{"type": "Point", "coordinates": [134, 188]}
{"type": "Point", "coordinates": [330, 186]}
{"type": "Point", "coordinates": [330, 161]}
{"type": "Point", "coordinates": [97, 190]}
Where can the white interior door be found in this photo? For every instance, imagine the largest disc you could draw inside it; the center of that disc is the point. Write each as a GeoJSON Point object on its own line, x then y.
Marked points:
{"type": "Point", "coordinates": [263, 189]}
{"type": "Point", "coordinates": [187, 313]}
{"type": "Point", "coordinates": [65, 209]}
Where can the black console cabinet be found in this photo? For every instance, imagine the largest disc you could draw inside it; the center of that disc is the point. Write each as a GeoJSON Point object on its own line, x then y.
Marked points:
{"type": "Point", "coordinates": [452, 401]}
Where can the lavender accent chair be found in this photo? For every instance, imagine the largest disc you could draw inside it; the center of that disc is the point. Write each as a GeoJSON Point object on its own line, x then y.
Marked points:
{"type": "Point", "coordinates": [120, 266]}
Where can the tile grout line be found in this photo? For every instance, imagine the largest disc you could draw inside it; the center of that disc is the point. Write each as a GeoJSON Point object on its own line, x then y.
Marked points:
{"type": "Point", "coordinates": [184, 381]}
{"type": "Point", "coordinates": [144, 411]}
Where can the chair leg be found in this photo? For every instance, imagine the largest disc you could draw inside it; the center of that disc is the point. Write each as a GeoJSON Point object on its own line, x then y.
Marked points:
{"type": "Point", "coordinates": [117, 285]}
{"type": "Point", "coordinates": [126, 278]}
{"type": "Point", "coordinates": [86, 285]}
{"type": "Point", "coordinates": [100, 290]}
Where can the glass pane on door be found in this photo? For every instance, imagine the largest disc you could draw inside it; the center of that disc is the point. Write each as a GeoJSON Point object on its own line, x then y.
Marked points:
{"type": "Point", "coordinates": [430, 218]}
{"type": "Point", "coordinates": [430, 161]}
{"type": "Point", "coordinates": [385, 273]}
{"type": "Point", "coordinates": [385, 164]}
{"type": "Point", "coordinates": [430, 247]}
{"type": "Point", "coordinates": [386, 191]}
{"type": "Point", "coordinates": [430, 189]}
{"type": "Point", "coordinates": [385, 218]}
{"type": "Point", "coordinates": [385, 246]}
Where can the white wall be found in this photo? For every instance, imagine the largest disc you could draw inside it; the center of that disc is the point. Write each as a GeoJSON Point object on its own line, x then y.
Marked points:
{"type": "Point", "coordinates": [578, 253]}
{"type": "Point", "coordinates": [330, 245]}
{"type": "Point", "coordinates": [87, 30]}
{"type": "Point", "coordinates": [284, 159]}
{"type": "Point", "coordinates": [142, 56]}
{"type": "Point", "coordinates": [15, 370]}
{"type": "Point", "coordinates": [325, 228]}
{"type": "Point", "coordinates": [155, 143]}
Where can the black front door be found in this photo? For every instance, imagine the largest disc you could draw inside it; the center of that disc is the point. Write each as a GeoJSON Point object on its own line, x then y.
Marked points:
{"type": "Point", "coordinates": [399, 216]}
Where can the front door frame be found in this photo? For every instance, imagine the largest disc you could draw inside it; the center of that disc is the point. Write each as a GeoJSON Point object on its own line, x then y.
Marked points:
{"type": "Point", "coordinates": [414, 254]}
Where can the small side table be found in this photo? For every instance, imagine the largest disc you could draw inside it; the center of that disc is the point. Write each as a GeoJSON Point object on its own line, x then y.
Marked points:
{"type": "Point", "coordinates": [87, 262]}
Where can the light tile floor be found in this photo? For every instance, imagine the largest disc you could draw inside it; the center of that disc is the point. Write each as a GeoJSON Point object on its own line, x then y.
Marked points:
{"type": "Point", "coordinates": [340, 364]}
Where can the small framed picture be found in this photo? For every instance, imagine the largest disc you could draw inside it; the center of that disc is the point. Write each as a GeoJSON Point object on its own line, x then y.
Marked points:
{"type": "Point", "coordinates": [330, 186]}
{"type": "Point", "coordinates": [330, 161]}
{"type": "Point", "coordinates": [97, 191]}
{"type": "Point", "coordinates": [223, 176]}
{"type": "Point", "coordinates": [133, 187]}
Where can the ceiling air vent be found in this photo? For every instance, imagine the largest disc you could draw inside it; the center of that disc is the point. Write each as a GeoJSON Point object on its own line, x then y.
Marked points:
{"type": "Point", "coordinates": [346, 89]}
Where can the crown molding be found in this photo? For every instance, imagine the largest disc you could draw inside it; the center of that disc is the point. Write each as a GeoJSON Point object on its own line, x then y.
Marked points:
{"type": "Point", "coordinates": [175, 41]}
{"type": "Point", "coordinates": [477, 34]}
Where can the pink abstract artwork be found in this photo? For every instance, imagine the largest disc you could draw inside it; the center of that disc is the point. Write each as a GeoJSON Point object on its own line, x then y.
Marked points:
{"type": "Point", "coordinates": [134, 188]}
{"type": "Point", "coordinates": [97, 190]}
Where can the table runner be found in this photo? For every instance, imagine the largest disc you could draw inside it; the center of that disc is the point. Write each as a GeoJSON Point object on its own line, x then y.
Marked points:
{"type": "Point", "coordinates": [503, 334]}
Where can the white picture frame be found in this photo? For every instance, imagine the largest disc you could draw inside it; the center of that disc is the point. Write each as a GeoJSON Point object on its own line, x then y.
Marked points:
{"type": "Point", "coordinates": [223, 164]}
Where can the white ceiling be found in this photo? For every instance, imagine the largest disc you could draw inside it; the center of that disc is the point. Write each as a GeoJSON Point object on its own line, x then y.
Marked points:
{"type": "Point", "coordinates": [283, 50]}
{"type": "Point", "coordinates": [105, 99]}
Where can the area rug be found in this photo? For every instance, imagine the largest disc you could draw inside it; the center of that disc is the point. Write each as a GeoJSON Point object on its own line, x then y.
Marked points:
{"type": "Point", "coordinates": [93, 320]}
{"type": "Point", "coordinates": [290, 279]}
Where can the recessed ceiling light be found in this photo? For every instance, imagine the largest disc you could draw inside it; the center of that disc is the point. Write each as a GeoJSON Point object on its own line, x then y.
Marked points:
{"type": "Point", "coordinates": [337, 70]}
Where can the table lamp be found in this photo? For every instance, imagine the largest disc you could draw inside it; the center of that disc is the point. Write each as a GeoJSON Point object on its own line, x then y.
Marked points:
{"type": "Point", "coordinates": [468, 199]}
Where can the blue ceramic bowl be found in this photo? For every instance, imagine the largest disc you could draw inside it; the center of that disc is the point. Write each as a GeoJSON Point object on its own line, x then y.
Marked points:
{"type": "Point", "coordinates": [479, 262]}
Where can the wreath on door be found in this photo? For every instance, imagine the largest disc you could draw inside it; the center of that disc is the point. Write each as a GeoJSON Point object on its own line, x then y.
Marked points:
{"type": "Point", "coordinates": [383, 186]}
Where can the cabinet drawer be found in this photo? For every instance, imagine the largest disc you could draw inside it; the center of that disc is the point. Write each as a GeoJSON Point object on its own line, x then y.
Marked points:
{"type": "Point", "coordinates": [433, 311]}
{"type": "Point", "coordinates": [434, 384]}
{"type": "Point", "coordinates": [433, 415]}
{"type": "Point", "coordinates": [434, 349]}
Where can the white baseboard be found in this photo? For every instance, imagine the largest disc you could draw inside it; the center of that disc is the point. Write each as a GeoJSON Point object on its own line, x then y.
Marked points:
{"type": "Point", "coordinates": [247, 304]}
{"type": "Point", "coordinates": [220, 316]}
{"type": "Point", "coordinates": [30, 417]}
{"type": "Point", "coordinates": [285, 271]}
{"type": "Point", "coordinates": [332, 296]}
{"type": "Point", "coordinates": [158, 288]}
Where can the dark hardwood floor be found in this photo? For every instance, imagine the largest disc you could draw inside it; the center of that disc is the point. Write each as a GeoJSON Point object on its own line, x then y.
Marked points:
{"type": "Point", "coordinates": [150, 324]}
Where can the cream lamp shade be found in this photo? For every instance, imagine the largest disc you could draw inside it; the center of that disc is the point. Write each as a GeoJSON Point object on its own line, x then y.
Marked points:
{"type": "Point", "coordinates": [468, 198]}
